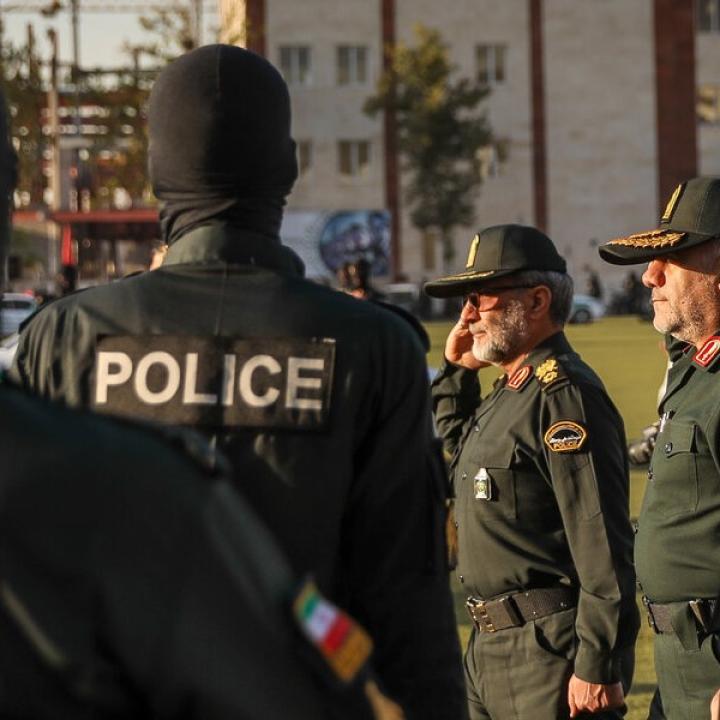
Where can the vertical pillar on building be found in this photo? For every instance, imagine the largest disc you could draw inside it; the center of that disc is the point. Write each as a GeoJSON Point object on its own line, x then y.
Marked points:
{"type": "Point", "coordinates": [674, 26]}
{"type": "Point", "coordinates": [255, 30]}
{"type": "Point", "coordinates": [392, 179]}
{"type": "Point", "coordinates": [539, 137]}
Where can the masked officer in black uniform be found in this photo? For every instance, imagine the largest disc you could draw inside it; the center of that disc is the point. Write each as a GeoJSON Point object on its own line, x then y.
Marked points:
{"type": "Point", "coordinates": [135, 582]}
{"type": "Point", "coordinates": [541, 482]}
{"type": "Point", "coordinates": [318, 400]}
{"type": "Point", "coordinates": [676, 547]}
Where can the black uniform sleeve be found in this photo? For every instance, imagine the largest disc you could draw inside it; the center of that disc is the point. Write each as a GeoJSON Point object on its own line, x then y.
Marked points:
{"type": "Point", "coordinates": [455, 396]}
{"type": "Point", "coordinates": [591, 487]}
{"type": "Point", "coordinates": [393, 544]}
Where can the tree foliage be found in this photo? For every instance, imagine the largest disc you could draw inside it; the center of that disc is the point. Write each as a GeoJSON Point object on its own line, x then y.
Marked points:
{"type": "Point", "coordinates": [440, 133]}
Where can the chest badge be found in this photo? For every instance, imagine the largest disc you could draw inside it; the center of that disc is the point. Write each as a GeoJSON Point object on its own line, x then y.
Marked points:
{"type": "Point", "coordinates": [519, 378]}
{"type": "Point", "coordinates": [482, 485]}
{"type": "Point", "coordinates": [547, 372]}
{"type": "Point", "coordinates": [708, 353]}
{"type": "Point", "coordinates": [565, 436]}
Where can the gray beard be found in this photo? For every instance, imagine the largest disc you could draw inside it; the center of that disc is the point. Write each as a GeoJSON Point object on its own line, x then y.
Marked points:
{"type": "Point", "coordinates": [505, 339]}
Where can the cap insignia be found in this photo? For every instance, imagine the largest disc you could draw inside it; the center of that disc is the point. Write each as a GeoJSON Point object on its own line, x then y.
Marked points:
{"type": "Point", "coordinates": [708, 353]}
{"type": "Point", "coordinates": [652, 239]}
{"type": "Point", "coordinates": [519, 378]}
{"type": "Point", "coordinates": [472, 252]}
{"type": "Point", "coordinates": [565, 436]}
{"type": "Point", "coordinates": [547, 372]}
{"type": "Point", "coordinates": [670, 207]}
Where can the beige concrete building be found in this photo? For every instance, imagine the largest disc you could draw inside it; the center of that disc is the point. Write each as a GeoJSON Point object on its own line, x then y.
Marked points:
{"type": "Point", "coordinates": [603, 107]}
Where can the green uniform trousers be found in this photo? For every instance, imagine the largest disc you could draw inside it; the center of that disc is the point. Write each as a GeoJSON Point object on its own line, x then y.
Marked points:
{"type": "Point", "coordinates": [522, 673]}
{"type": "Point", "coordinates": [688, 672]}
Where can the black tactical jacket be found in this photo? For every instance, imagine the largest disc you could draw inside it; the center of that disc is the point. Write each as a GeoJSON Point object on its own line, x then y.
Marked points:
{"type": "Point", "coordinates": [136, 583]}
{"type": "Point", "coordinates": [541, 483]}
{"type": "Point", "coordinates": [319, 400]}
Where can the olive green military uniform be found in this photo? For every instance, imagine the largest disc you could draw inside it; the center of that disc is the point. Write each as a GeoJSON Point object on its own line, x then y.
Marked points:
{"type": "Point", "coordinates": [336, 457]}
{"type": "Point", "coordinates": [676, 543]}
{"type": "Point", "coordinates": [676, 547]}
{"type": "Point", "coordinates": [135, 582]}
{"type": "Point", "coordinates": [541, 485]}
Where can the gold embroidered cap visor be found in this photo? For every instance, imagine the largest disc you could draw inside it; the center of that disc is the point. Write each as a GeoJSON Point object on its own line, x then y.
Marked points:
{"type": "Point", "coordinates": [497, 251]}
{"type": "Point", "coordinates": [691, 217]}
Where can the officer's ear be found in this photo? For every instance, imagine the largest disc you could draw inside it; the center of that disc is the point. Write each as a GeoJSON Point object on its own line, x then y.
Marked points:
{"type": "Point", "coordinates": [541, 297]}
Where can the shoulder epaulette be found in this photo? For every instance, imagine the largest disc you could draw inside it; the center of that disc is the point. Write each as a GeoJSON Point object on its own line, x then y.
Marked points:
{"type": "Point", "coordinates": [550, 374]}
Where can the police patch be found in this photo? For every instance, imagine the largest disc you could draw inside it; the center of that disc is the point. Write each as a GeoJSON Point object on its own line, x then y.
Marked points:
{"type": "Point", "coordinates": [215, 381]}
{"type": "Point", "coordinates": [565, 436]}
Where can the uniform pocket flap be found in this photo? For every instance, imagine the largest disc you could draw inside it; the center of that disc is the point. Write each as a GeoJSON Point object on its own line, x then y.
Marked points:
{"type": "Point", "coordinates": [500, 456]}
{"type": "Point", "coordinates": [677, 438]}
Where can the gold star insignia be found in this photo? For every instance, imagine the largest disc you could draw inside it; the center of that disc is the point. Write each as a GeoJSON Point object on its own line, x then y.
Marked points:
{"type": "Point", "coordinates": [547, 372]}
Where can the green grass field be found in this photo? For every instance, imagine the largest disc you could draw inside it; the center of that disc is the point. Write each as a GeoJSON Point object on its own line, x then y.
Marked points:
{"type": "Point", "coordinates": [626, 353]}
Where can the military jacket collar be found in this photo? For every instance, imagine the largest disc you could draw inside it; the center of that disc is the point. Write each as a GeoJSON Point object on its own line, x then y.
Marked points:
{"type": "Point", "coordinates": [223, 244]}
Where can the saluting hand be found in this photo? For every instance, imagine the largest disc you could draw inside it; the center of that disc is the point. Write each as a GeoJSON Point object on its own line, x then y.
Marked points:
{"type": "Point", "coordinates": [589, 697]}
{"type": "Point", "coordinates": [458, 347]}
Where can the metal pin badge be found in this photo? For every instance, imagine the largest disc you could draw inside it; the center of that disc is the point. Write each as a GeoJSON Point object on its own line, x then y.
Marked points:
{"type": "Point", "coordinates": [483, 485]}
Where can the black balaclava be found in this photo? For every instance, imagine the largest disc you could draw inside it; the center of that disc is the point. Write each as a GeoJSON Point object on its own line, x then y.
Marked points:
{"type": "Point", "coordinates": [220, 145]}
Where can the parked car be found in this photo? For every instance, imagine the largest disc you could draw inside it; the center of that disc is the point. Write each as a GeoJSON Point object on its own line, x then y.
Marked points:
{"type": "Point", "coordinates": [585, 309]}
{"type": "Point", "coordinates": [16, 307]}
{"type": "Point", "coordinates": [8, 348]}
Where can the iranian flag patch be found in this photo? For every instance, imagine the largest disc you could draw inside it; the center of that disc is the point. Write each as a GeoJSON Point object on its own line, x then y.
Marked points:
{"type": "Point", "coordinates": [344, 645]}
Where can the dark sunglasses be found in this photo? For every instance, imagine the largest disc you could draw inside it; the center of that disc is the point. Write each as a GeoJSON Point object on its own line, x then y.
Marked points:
{"type": "Point", "coordinates": [488, 298]}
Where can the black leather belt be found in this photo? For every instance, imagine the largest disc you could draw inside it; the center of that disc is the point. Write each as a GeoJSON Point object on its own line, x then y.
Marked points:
{"type": "Point", "coordinates": [660, 614]}
{"type": "Point", "coordinates": [516, 609]}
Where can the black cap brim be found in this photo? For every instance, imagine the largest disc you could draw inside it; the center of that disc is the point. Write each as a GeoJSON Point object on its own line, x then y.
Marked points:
{"type": "Point", "coordinates": [644, 247]}
{"type": "Point", "coordinates": [462, 283]}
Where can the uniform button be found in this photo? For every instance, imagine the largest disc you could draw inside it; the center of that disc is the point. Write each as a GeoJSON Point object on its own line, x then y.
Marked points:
{"type": "Point", "coordinates": [476, 428]}
{"type": "Point", "coordinates": [462, 579]}
{"type": "Point", "coordinates": [668, 448]}
{"type": "Point", "coordinates": [457, 524]}
{"type": "Point", "coordinates": [651, 475]}
{"type": "Point", "coordinates": [635, 527]}
{"type": "Point", "coordinates": [464, 475]}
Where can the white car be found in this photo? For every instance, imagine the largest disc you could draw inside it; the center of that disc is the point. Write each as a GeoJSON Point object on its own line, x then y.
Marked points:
{"type": "Point", "coordinates": [8, 348]}
{"type": "Point", "coordinates": [15, 308]}
{"type": "Point", "coordinates": [585, 309]}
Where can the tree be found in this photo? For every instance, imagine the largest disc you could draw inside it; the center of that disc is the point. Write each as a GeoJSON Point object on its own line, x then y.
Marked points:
{"type": "Point", "coordinates": [440, 134]}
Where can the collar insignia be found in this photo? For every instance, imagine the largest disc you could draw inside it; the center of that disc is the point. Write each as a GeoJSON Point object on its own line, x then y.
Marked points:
{"type": "Point", "coordinates": [708, 353]}
{"type": "Point", "coordinates": [547, 372]}
{"type": "Point", "coordinates": [472, 252]}
{"type": "Point", "coordinates": [519, 378]}
{"type": "Point", "coordinates": [565, 436]}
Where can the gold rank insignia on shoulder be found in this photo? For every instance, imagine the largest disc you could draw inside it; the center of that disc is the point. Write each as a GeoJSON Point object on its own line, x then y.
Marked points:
{"type": "Point", "coordinates": [547, 372]}
{"type": "Point", "coordinates": [565, 436]}
{"type": "Point", "coordinates": [519, 378]}
{"type": "Point", "coordinates": [652, 239]}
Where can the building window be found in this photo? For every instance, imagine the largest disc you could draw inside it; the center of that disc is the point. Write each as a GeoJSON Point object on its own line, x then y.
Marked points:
{"type": "Point", "coordinates": [353, 157]}
{"type": "Point", "coordinates": [304, 156]}
{"type": "Point", "coordinates": [351, 64]}
{"type": "Point", "coordinates": [489, 161]}
{"type": "Point", "coordinates": [708, 15]}
{"type": "Point", "coordinates": [295, 64]}
{"type": "Point", "coordinates": [708, 104]}
{"type": "Point", "coordinates": [490, 61]}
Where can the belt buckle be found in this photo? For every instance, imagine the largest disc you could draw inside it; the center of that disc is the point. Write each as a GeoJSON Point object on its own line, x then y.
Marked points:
{"type": "Point", "coordinates": [650, 617]}
{"type": "Point", "coordinates": [479, 615]}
